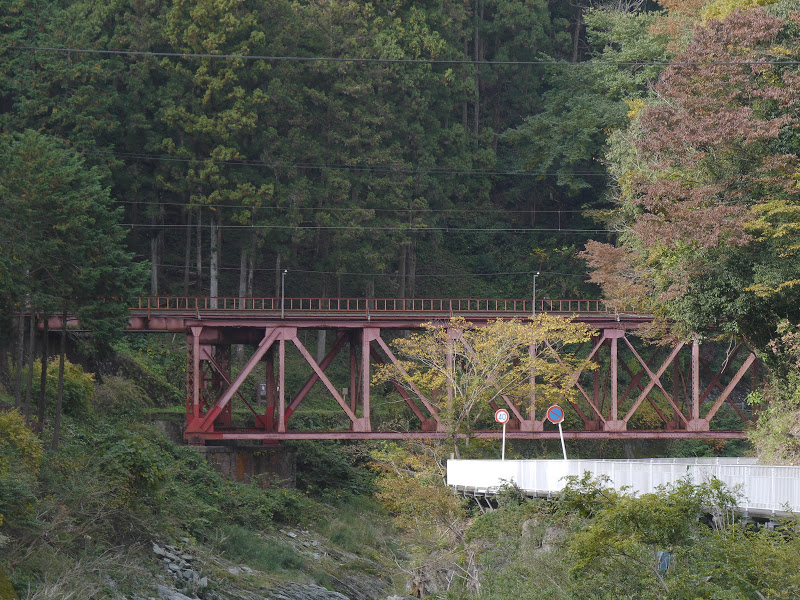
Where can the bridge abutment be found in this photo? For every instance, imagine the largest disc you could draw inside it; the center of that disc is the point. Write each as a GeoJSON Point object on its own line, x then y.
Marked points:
{"type": "Point", "coordinates": [266, 466]}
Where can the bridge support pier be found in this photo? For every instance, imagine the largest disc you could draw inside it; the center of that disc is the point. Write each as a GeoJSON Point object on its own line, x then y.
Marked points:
{"type": "Point", "coordinates": [266, 467]}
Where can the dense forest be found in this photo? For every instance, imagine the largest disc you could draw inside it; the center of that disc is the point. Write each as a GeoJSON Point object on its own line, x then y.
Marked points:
{"type": "Point", "coordinates": [398, 149]}
{"type": "Point", "coordinates": [409, 149]}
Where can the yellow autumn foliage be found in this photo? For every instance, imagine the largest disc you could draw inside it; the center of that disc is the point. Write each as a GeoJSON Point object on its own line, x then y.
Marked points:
{"type": "Point", "coordinates": [17, 438]}
{"type": "Point", "coordinates": [719, 9]}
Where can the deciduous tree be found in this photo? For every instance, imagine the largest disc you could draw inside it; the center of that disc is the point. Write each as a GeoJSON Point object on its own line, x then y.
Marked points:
{"type": "Point", "coordinates": [707, 185]}
{"type": "Point", "coordinates": [465, 369]}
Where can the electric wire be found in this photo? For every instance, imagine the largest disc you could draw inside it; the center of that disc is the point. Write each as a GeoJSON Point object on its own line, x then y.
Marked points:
{"type": "Point", "coordinates": [404, 229]}
{"type": "Point", "coordinates": [403, 211]}
{"type": "Point", "coordinates": [417, 275]}
{"type": "Point", "coordinates": [413, 61]}
{"type": "Point", "coordinates": [399, 169]}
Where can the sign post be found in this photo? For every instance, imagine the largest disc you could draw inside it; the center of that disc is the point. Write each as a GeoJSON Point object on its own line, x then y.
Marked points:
{"type": "Point", "coordinates": [502, 416]}
{"type": "Point", "coordinates": [555, 414]}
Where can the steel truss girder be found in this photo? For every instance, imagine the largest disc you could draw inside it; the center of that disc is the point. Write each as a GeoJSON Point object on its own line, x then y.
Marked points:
{"type": "Point", "coordinates": [602, 411]}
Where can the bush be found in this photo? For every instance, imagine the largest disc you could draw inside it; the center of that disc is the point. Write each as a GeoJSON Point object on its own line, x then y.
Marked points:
{"type": "Point", "coordinates": [20, 458]}
{"type": "Point", "coordinates": [135, 466]}
{"type": "Point", "coordinates": [79, 388]}
{"type": "Point", "coordinates": [211, 501]}
{"type": "Point", "coordinates": [17, 439]}
{"type": "Point", "coordinates": [241, 544]}
{"type": "Point", "coordinates": [330, 470]}
{"type": "Point", "coordinates": [117, 396]}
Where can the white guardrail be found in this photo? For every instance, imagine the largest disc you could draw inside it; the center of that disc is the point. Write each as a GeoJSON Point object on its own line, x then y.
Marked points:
{"type": "Point", "coordinates": [764, 490]}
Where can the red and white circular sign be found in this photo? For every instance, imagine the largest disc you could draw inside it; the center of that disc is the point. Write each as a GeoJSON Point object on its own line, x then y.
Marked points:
{"type": "Point", "coordinates": [501, 416]}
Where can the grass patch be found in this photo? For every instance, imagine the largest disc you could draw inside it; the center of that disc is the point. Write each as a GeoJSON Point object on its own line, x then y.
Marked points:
{"type": "Point", "coordinates": [354, 526]}
{"type": "Point", "coordinates": [244, 545]}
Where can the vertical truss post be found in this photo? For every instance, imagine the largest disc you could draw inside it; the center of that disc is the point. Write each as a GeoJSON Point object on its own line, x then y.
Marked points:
{"type": "Point", "coordinates": [676, 393]}
{"type": "Point", "coordinates": [596, 383]}
{"type": "Point", "coordinates": [353, 374]}
{"type": "Point", "coordinates": [368, 334]}
{"type": "Point", "coordinates": [531, 424]}
{"type": "Point", "coordinates": [281, 385]}
{"type": "Point", "coordinates": [695, 422]}
{"type": "Point", "coordinates": [450, 360]}
{"type": "Point", "coordinates": [613, 423]}
{"type": "Point", "coordinates": [193, 375]}
{"type": "Point", "coordinates": [524, 418]}
{"type": "Point", "coordinates": [269, 409]}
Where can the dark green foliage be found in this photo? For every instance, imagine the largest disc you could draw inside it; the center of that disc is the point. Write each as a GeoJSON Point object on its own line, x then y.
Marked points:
{"type": "Point", "coordinates": [68, 251]}
{"type": "Point", "coordinates": [333, 471]}
{"type": "Point", "coordinates": [121, 397]}
{"type": "Point", "coordinates": [157, 362]}
{"type": "Point", "coordinates": [17, 491]}
{"type": "Point", "coordinates": [365, 207]}
{"type": "Point", "coordinates": [585, 495]}
{"type": "Point", "coordinates": [601, 544]}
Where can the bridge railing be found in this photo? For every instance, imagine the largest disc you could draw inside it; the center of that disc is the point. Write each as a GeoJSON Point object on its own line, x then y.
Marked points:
{"type": "Point", "coordinates": [375, 305]}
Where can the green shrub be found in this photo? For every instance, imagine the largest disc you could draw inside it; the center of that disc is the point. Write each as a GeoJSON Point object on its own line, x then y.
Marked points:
{"type": "Point", "coordinates": [16, 438]}
{"type": "Point", "coordinates": [158, 361]}
{"type": "Point", "coordinates": [331, 470]}
{"type": "Point", "coordinates": [135, 465]}
{"type": "Point", "coordinates": [241, 544]}
{"type": "Point", "coordinates": [130, 459]}
{"type": "Point", "coordinates": [20, 459]}
{"type": "Point", "coordinates": [289, 506]}
{"type": "Point", "coordinates": [79, 387]}
{"type": "Point", "coordinates": [117, 396]}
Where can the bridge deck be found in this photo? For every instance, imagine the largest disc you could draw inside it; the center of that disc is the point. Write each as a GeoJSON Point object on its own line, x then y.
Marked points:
{"type": "Point", "coordinates": [175, 313]}
{"type": "Point", "coordinates": [766, 491]}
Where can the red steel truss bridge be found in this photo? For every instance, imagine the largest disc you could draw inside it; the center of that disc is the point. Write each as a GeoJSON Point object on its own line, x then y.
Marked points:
{"type": "Point", "coordinates": [639, 390]}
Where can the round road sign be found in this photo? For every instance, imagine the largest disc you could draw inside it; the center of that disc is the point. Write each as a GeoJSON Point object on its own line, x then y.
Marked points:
{"type": "Point", "coordinates": [501, 416]}
{"type": "Point", "coordinates": [555, 414]}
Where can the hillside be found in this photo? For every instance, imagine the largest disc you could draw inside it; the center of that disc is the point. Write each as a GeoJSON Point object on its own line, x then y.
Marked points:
{"type": "Point", "coordinates": [121, 512]}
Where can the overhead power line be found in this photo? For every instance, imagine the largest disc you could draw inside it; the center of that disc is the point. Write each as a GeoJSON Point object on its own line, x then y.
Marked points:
{"type": "Point", "coordinates": [399, 169]}
{"type": "Point", "coordinates": [402, 211]}
{"type": "Point", "coordinates": [417, 275]}
{"type": "Point", "coordinates": [379, 228]}
{"type": "Point", "coordinates": [422, 61]}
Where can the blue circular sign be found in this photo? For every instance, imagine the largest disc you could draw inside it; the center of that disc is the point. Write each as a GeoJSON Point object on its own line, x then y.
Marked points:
{"type": "Point", "coordinates": [555, 414]}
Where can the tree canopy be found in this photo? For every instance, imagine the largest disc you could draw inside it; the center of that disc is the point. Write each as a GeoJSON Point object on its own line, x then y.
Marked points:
{"type": "Point", "coordinates": [707, 186]}
{"type": "Point", "coordinates": [468, 371]}
{"type": "Point", "coordinates": [66, 247]}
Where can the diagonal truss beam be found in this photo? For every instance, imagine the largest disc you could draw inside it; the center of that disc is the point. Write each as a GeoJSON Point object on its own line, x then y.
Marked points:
{"type": "Point", "coordinates": [636, 381]}
{"type": "Point", "coordinates": [655, 380]}
{"type": "Point", "coordinates": [733, 383]}
{"type": "Point", "coordinates": [227, 380]}
{"type": "Point", "coordinates": [414, 388]}
{"type": "Point", "coordinates": [576, 375]}
{"type": "Point", "coordinates": [400, 389]}
{"type": "Point", "coordinates": [324, 378]}
{"type": "Point", "coordinates": [326, 361]}
{"type": "Point", "coordinates": [263, 346]}
{"type": "Point", "coordinates": [716, 378]}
